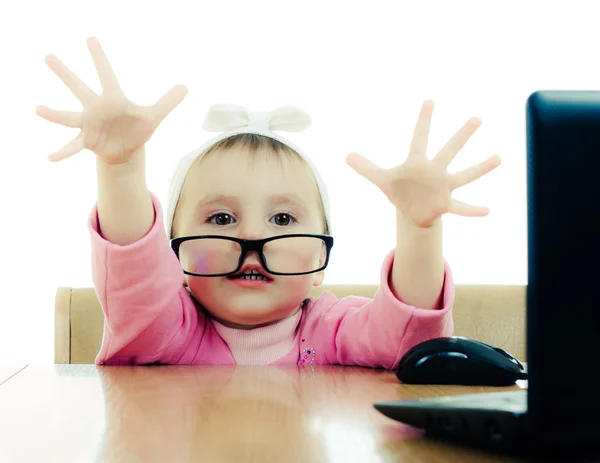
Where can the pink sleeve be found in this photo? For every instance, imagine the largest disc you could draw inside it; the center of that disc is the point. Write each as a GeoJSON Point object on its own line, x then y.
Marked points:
{"type": "Point", "coordinates": [149, 316]}
{"type": "Point", "coordinates": [378, 332]}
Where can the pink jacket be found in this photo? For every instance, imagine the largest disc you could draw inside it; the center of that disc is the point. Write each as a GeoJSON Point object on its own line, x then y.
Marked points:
{"type": "Point", "coordinates": [151, 318]}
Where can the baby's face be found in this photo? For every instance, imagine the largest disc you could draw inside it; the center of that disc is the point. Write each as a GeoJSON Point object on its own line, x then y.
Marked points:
{"type": "Point", "coordinates": [241, 195]}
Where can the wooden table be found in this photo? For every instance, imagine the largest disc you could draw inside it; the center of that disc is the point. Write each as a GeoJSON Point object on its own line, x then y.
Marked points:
{"type": "Point", "coordinates": [81, 413]}
{"type": "Point", "coordinates": [7, 371]}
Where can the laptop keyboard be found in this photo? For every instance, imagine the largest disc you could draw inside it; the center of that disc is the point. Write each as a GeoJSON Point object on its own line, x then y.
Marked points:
{"type": "Point", "coordinates": [513, 401]}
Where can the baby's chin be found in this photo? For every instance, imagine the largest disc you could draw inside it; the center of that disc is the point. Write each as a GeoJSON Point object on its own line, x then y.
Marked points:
{"type": "Point", "coordinates": [248, 317]}
{"type": "Point", "coordinates": [250, 308]}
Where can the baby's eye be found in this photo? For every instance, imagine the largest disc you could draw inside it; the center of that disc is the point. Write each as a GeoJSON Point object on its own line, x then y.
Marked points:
{"type": "Point", "coordinates": [221, 219]}
{"type": "Point", "coordinates": [282, 219]}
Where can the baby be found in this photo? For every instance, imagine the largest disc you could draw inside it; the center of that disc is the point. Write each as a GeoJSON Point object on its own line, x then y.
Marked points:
{"type": "Point", "coordinates": [248, 237]}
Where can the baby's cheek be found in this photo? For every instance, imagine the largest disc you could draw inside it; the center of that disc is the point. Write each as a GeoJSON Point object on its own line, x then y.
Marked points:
{"type": "Point", "coordinates": [203, 289]}
{"type": "Point", "coordinates": [214, 259]}
{"type": "Point", "coordinates": [302, 261]}
{"type": "Point", "coordinates": [201, 263]}
{"type": "Point", "coordinates": [296, 287]}
{"type": "Point", "coordinates": [207, 261]}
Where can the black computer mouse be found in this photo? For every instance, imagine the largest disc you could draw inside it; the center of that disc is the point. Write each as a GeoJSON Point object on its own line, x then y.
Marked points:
{"type": "Point", "coordinates": [460, 361]}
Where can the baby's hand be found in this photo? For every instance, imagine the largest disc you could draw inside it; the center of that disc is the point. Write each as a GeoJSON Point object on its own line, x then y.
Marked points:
{"type": "Point", "coordinates": [111, 126]}
{"type": "Point", "coordinates": [421, 188]}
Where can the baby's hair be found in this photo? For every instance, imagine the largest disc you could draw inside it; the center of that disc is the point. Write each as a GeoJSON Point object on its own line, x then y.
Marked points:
{"type": "Point", "coordinates": [257, 146]}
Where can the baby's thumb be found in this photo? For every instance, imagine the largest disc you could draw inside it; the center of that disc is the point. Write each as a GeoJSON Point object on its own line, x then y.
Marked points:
{"type": "Point", "coordinates": [364, 167]}
{"type": "Point", "coordinates": [168, 102]}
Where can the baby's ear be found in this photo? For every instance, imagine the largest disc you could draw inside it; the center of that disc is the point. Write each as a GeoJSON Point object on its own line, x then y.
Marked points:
{"type": "Point", "coordinates": [319, 276]}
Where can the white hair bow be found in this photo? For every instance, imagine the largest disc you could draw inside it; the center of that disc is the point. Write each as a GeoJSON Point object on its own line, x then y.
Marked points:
{"type": "Point", "coordinates": [226, 117]}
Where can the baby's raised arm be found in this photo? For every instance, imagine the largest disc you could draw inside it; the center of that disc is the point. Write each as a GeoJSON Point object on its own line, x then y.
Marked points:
{"type": "Point", "coordinates": [115, 129]}
{"type": "Point", "coordinates": [149, 317]}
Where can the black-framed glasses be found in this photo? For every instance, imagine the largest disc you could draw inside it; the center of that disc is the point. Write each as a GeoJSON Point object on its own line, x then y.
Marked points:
{"type": "Point", "coordinates": [216, 256]}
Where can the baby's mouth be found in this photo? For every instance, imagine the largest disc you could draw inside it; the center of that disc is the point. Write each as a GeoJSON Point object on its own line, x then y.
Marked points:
{"type": "Point", "coordinates": [250, 275]}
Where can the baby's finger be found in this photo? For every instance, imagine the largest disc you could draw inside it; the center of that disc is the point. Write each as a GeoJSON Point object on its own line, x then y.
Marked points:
{"type": "Point", "coordinates": [66, 118]}
{"type": "Point", "coordinates": [70, 149]}
{"type": "Point", "coordinates": [468, 210]}
{"type": "Point", "coordinates": [364, 167]}
{"type": "Point", "coordinates": [107, 77]}
{"type": "Point", "coordinates": [418, 145]}
{"type": "Point", "coordinates": [167, 103]}
{"type": "Point", "coordinates": [83, 93]}
{"type": "Point", "coordinates": [469, 175]}
{"type": "Point", "coordinates": [457, 142]}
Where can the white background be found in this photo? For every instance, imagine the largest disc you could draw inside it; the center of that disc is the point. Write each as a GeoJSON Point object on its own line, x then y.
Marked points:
{"type": "Point", "coordinates": [361, 69]}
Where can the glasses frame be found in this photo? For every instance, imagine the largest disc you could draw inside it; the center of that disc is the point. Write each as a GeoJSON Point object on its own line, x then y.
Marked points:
{"type": "Point", "coordinates": [252, 246]}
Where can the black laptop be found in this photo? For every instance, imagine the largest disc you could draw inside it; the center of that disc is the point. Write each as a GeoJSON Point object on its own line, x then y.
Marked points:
{"type": "Point", "coordinates": [559, 413]}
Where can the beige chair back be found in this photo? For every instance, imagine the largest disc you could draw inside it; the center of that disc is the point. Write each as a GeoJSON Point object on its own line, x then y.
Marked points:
{"type": "Point", "coordinates": [494, 314]}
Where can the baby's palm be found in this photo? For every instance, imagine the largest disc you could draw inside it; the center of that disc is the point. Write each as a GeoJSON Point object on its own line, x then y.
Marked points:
{"type": "Point", "coordinates": [419, 189]}
{"type": "Point", "coordinates": [111, 126]}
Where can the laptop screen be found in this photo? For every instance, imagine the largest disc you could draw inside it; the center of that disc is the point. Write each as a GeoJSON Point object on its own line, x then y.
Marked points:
{"type": "Point", "coordinates": [563, 293]}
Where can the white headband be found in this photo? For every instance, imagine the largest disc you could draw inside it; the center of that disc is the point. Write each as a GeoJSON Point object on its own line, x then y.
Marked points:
{"type": "Point", "coordinates": [234, 120]}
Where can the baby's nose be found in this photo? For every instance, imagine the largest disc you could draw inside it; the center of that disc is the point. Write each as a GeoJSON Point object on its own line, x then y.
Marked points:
{"type": "Point", "coordinates": [252, 231]}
